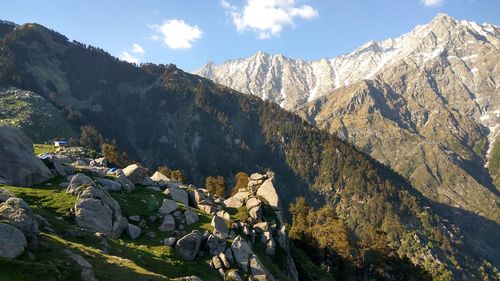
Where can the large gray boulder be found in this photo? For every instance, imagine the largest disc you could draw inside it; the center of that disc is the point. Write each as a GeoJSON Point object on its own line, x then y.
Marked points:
{"type": "Point", "coordinates": [268, 192]}
{"type": "Point", "coordinates": [79, 182]}
{"type": "Point", "coordinates": [109, 185]}
{"type": "Point", "coordinates": [178, 195]}
{"type": "Point", "coordinates": [168, 223]}
{"type": "Point", "coordinates": [189, 245]}
{"type": "Point", "coordinates": [18, 213]}
{"type": "Point", "coordinates": [126, 184]}
{"type": "Point", "coordinates": [220, 227]}
{"type": "Point", "coordinates": [168, 206]}
{"type": "Point", "coordinates": [160, 178]}
{"type": "Point", "coordinates": [242, 251]}
{"type": "Point", "coordinates": [97, 211]}
{"type": "Point", "coordinates": [258, 270]}
{"type": "Point", "coordinates": [18, 163]}
{"type": "Point", "coordinates": [135, 173]}
{"type": "Point", "coordinates": [12, 241]}
{"type": "Point", "coordinates": [190, 217]}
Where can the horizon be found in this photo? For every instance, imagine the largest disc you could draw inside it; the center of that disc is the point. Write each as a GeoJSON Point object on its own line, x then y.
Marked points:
{"type": "Point", "coordinates": [227, 31]}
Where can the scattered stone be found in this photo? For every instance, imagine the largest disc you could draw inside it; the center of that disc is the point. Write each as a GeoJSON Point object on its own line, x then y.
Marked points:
{"type": "Point", "coordinates": [224, 260]}
{"type": "Point", "coordinates": [133, 231]}
{"type": "Point", "coordinates": [160, 178]}
{"type": "Point", "coordinates": [190, 217]}
{"type": "Point", "coordinates": [232, 203]}
{"type": "Point", "coordinates": [170, 241]}
{"type": "Point", "coordinates": [209, 209]}
{"type": "Point", "coordinates": [79, 182]}
{"type": "Point", "coordinates": [225, 215]}
{"type": "Point", "coordinates": [168, 207]}
{"type": "Point", "coordinates": [168, 223]}
{"type": "Point", "coordinates": [220, 228]}
{"type": "Point", "coordinates": [189, 245]}
{"type": "Point", "coordinates": [256, 212]}
{"type": "Point", "coordinates": [17, 212]}
{"type": "Point", "coordinates": [99, 162]}
{"type": "Point", "coordinates": [188, 278]}
{"type": "Point", "coordinates": [233, 275]}
{"type": "Point", "coordinates": [12, 241]}
{"type": "Point", "coordinates": [135, 218]}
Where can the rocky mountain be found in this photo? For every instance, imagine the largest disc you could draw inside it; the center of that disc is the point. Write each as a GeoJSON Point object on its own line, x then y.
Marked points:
{"type": "Point", "coordinates": [425, 104]}
{"type": "Point", "coordinates": [161, 115]}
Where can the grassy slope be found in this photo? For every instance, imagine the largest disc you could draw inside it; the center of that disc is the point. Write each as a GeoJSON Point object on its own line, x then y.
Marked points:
{"type": "Point", "coordinates": [141, 259]}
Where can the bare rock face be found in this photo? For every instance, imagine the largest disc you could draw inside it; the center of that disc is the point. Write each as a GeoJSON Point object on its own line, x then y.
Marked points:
{"type": "Point", "coordinates": [12, 241]}
{"type": "Point", "coordinates": [18, 163]}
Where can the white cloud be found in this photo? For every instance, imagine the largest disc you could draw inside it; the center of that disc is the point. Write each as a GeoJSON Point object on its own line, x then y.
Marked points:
{"type": "Point", "coordinates": [126, 56]}
{"type": "Point", "coordinates": [267, 17]}
{"type": "Point", "coordinates": [177, 34]}
{"type": "Point", "coordinates": [432, 3]}
{"type": "Point", "coordinates": [136, 48]}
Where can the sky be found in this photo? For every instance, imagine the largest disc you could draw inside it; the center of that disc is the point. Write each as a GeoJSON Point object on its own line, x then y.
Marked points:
{"type": "Point", "coordinates": [189, 33]}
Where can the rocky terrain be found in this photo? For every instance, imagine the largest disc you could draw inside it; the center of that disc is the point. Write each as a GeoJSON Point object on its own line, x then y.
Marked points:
{"type": "Point", "coordinates": [160, 115]}
{"type": "Point", "coordinates": [424, 104]}
{"type": "Point", "coordinates": [101, 210]}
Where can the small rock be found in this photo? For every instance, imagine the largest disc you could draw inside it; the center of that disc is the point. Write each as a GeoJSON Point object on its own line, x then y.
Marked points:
{"type": "Point", "coordinates": [168, 223]}
{"type": "Point", "coordinates": [168, 207]}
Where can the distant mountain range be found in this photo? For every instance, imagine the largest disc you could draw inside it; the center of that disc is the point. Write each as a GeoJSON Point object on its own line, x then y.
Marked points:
{"type": "Point", "coordinates": [445, 221]}
{"type": "Point", "coordinates": [427, 104]}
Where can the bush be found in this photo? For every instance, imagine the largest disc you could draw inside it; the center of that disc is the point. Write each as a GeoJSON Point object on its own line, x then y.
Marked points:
{"type": "Point", "coordinates": [216, 186]}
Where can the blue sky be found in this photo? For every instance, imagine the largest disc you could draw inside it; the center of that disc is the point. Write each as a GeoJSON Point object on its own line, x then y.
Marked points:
{"type": "Point", "coordinates": [189, 33]}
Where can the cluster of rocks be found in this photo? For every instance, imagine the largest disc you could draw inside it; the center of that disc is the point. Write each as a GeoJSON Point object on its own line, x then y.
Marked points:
{"type": "Point", "coordinates": [239, 254]}
{"type": "Point", "coordinates": [18, 226]}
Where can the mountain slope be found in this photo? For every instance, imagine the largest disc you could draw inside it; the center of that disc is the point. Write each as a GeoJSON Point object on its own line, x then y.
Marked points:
{"type": "Point", "coordinates": [162, 115]}
{"type": "Point", "coordinates": [425, 104]}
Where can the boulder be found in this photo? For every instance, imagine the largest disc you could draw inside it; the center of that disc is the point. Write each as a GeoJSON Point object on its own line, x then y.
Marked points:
{"type": "Point", "coordinates": [126, 184]}
{"type": "Point", "coordinates": [209, 209]}
{"type": "Point", "coordinates": [189, 245]}
{"type": "Point", "coordinates": [188, 278]}
{"type": "Point", "coordinates": [242, 251]}
{"type": "Point", "coordinates": [135, 173]}
{"type": "Point", "coordinates": [225, 215]}
{"type": "Point", "coordinates": [258, 270]}
{"type": "Point", "coordinates": [87, 272]}
{"type": "Point", "coordinates": [233, 275]}
{"type": "Point", "coordinates": [232, 202]}
{"type": "Point", "coordinates": [256, 176]}
{"type": "Point", "coordinates": [18, 163]}
{"type": "Point", "coordinates": [268, 192]}
{"type": "Point", "coordinates": [190, 217]}
{"type": "Point", "coordinates": [99, 162]}
{"type": "Point", "coordinates": [12, 241]}
{"type": "Point", "coordinates": [168, 206]}
{"type": "Point", "coordinates": [160, 178]}
{"type": "Point", "coordinates": [196, 196]}
{"type": "Point", "coordinates": [133, 231]}
{"type": "Point", "coordinates": [168, 223]}
{"type": "Point", "coordinates": [215, 245]}
{"type": "Point", "coordinates": [220, 228]}
{"type": "Point", "coordinates": [178, 195]}
{"type": "Point", "coordinates": [79, 182]}
{"type": "Point", "coordinates": [253, 202]}
{"type": "Point", "coordinates": [256, 212]}
{"type": "Point", "coordinates": [53, 162]}
{"type": "Point", "coordinates": [216, 263]}
{"type": "Point", "coordinates": [224, 260]}
{"type": "Point", "coordinates": [153, 188]}
{"type": "Point", "coordinates": [109, 185]}
{"type": "Point", "coordinates": [97, 211]}
{"type": "Point", "coordinates": [5, 194]}
{"type": "Point", "coordinates": [18, 213]}
{"type": "Point", "coordinates": [170, 241]}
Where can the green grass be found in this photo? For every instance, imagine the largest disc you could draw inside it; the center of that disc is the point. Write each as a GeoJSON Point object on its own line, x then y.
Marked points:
{"type": "Point", "coordinates": [44, 148]}
{"type": "Point", "coordinates": [140, 259]}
